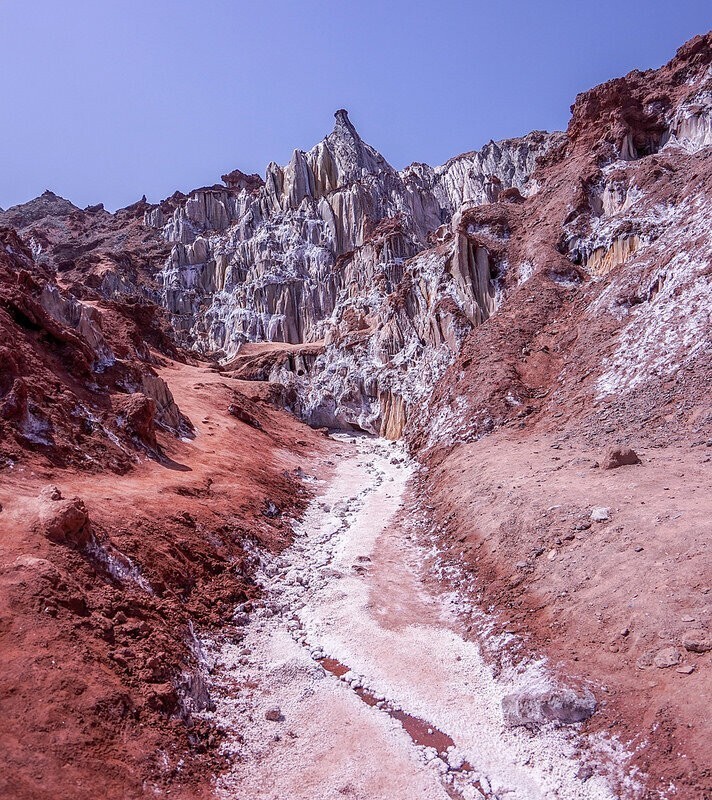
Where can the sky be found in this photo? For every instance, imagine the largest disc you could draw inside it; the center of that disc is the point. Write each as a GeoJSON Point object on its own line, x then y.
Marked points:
{"type": "Point", "coordinates": [107, 100]}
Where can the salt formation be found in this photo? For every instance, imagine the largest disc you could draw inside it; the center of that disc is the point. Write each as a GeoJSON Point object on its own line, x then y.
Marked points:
{"type": "Point", "coordinates": [340, 250]}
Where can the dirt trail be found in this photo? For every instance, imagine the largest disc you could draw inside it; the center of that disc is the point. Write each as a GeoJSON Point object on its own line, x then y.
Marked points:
{"type": "Point", "coordinates": [406, 708]}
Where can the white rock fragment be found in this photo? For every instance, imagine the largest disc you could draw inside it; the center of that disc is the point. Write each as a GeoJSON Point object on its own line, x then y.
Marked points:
{"type": "Point", "coordinates": [600, 514]}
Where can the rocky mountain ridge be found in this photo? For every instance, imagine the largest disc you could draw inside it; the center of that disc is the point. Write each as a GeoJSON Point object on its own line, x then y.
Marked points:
{"type": "Point", "coordinates": [300, 258]}
{"type": "Point", "coordinates": [383, 274]}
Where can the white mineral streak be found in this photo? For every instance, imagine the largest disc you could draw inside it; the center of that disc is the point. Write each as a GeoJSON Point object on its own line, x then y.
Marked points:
{"type": "Point", "coordinates": [665, 332]}
{"type": "Point", "coordinates": [691, 127]}
{"type": "Point", "coordinates": [349, 588]}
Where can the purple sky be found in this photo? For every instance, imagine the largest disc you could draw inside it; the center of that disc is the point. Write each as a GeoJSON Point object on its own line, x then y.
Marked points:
{"type": "Point", "coordinates": [105, 100]}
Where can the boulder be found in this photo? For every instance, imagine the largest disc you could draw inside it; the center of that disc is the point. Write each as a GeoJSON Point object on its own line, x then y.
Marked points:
{"type": "Point", "coordinates": [137, 413]}
{"type": "Point", "coordinates": [532, 708]}
{"type": "Point", "coordinates": [163, 697]}
{"type": "Point", "coordinates": [51, 492]}
{"type": "Point", "coordinates": [619, 457]}
{"type": "Point", "coordinates": [166, 413]}
{"type": "Point", "coordinates": [697, 641]}
{"type": "Point", "coordinates": [64, 521]}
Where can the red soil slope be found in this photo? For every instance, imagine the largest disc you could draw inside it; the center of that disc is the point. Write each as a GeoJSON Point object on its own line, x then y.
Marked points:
{"type": "Point", "coordinates": [133, 487]}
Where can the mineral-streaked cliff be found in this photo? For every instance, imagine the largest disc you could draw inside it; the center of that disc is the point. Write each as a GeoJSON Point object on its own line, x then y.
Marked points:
{"type": "Point", "coordinates": [272, 262]}
{"type": "Point", "coordinates": [373, 278]}
{"type": "Point", "coordinates": [332, 248]}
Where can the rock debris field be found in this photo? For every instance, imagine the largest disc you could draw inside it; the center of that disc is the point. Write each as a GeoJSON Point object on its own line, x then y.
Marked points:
{"type": "Point", "coordinates": [352, 679]}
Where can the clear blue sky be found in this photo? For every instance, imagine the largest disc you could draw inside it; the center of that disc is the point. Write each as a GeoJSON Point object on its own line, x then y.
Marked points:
{"type": "Point", "coordinates": [105, 100]}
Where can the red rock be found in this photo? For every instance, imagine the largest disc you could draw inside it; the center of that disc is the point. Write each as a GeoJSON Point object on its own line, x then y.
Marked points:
{"type": "Point", "coordinates": [137, 413]}
{"type": "Point", "coordinates": [65, 522]}
{"type": "Point", "coordinates": [274, 714]}
{"type": "Point", "coordinates": [238, 180]}
{"type": "Point", "coordinates": [618, 457]}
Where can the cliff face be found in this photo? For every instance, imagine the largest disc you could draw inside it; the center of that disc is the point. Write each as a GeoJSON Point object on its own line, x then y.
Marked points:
{"type": "Point", "coordinates": [373, 279]}
{"type": "Point", "coordinates": [332, 248]}
{"type": "Point", "coordinates": [606, 322]}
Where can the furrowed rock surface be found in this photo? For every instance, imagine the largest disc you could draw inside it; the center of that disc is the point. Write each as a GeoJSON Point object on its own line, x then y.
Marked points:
{"type": "Point", "coordinates": [67, 368]}
{"type": "Point", "coordinates": [331, 249]}
{"type": "Point", "coordinates": [607, 318]}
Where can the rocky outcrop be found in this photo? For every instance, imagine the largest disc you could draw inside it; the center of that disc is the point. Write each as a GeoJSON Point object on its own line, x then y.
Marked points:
{"type": "Point", "coordinates": [483, 175]}
{"type": "Point", "coordinates": [389, 272]}
{"type": "Point", "coordinates": [137, 413]}
{"type": "Point", "coordinates": [327, 250]}
{"type": "Point", "coordinates": [93, 252]}
{"type": "Point", "coordinates": [604, 271]}
{"type": "Point", "coordinates": [272, 263]}
{"type": "Point", "coordinates": [61, 361]}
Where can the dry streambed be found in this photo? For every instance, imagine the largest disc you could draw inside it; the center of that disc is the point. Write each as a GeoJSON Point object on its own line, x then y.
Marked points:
{"type": "Point", "coordinates": [352, 680]}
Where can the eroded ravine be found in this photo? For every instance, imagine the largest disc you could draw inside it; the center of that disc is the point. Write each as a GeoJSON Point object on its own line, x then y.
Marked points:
{"type": "Point", "coordinates": [351, 679]}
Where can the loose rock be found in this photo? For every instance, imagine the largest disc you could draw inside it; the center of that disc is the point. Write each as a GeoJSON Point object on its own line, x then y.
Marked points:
{"type": "Point", "coordinates": [697, 641]}
{"type": "Point", "coordinates": [667, 657]}
{"type": "Point", "coordinates": [51, 492]}
{"type": "Point", "coordinates": [274, 714]}
{"type": "Point", "coordinates": [619, 457]}
{"type": "Point", "coordinates": [65, 521]}
{"type": "Point", "coordinates": [533, 709]}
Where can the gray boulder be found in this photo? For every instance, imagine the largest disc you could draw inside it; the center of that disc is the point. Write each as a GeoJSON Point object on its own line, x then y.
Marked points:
{"type": "Point", "coordinates": [534, 708]}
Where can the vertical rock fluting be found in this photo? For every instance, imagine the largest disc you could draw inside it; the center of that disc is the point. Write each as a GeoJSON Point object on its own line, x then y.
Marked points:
{"type": "Point", "coordinates": [327, 240]}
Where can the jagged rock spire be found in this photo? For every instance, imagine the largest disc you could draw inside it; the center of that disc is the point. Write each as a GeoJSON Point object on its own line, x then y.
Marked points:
{"type": "Point", "coordinates": [353, 157]}
{"type": "Point", "coordinates": [343, 127]}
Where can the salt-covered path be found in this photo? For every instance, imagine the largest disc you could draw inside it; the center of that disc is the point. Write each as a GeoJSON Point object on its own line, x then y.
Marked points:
{"type": "Point", "coordinates": [417, 715]}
